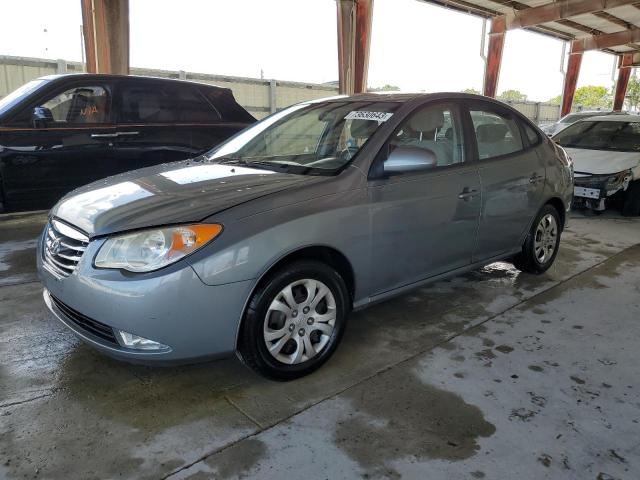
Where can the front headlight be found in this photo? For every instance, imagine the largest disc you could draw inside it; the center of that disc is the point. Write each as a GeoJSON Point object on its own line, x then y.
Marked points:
{"type": "Point", "coordinates": [152, 249]}
{"type": "Point", "coordinates": [618, 179]}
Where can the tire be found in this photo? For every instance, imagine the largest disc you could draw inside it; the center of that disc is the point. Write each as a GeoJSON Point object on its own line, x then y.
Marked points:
{"type": "Point", "coordinates": [631, 205]}
{"type": "Point", "coordinates": [2, 204]}
{"type": "Point", "coordinates": [299, 347]}
{"type": "Point", "coordinates": [540, 247]}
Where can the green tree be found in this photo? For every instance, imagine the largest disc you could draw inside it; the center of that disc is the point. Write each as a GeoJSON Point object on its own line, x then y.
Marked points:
{"type": "Point", "coordinates": [471, 90]}
{"type": "Point", "coordinates": [555, 100]}
{"type": "Point", "coordinates": [633, 93]}
{"type": "Point", "coordinates": [385, 88]}
{"type": "Point", "coordinates": [592, 96]}
{"type": "Point", "coordinates": [512, 96]}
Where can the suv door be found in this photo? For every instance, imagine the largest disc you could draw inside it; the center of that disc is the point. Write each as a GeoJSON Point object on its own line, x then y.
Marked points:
{"type": "Point", "coordinates": [162, 122]}
{"type": "Point", "coordinates": [512, 176]}
{"type": "Point", "coordinates": [424, 222]}
{"type": "Point", "coordinates": [68, 146]}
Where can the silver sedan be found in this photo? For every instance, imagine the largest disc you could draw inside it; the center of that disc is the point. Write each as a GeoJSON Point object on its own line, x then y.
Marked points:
{"type": "Point", "coordinates": [264, 245]}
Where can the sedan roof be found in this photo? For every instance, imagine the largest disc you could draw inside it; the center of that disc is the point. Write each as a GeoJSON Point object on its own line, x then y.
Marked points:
{"type": "Point", "coordinates": [613, 118]}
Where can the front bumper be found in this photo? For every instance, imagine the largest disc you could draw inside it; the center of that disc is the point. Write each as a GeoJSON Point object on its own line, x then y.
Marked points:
{"type": "Point", "coordinates": [593, 190]}
{"type": "Point", "coordinates": [171, 306]}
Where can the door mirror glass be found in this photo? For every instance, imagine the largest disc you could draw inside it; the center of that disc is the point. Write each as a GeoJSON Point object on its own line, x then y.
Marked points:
{"type": "Point", "coordinates": [41, 117]}
{"type": "Point", "coordinates": [409, 159]}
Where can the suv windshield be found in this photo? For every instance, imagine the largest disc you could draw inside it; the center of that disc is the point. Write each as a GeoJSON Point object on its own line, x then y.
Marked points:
{"type": "Point", "coordinates": [14, 97]}
{"type": "Point", "coordinates": [312, 138]}
{"type": "Point", "coordinates": [616, 136]}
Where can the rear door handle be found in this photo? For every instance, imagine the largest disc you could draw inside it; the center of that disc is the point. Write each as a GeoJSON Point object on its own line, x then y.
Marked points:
{"type": "Point", "coordinates": [467, 194]}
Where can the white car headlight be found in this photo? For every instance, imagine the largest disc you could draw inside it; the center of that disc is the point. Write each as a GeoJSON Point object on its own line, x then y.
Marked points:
{"type": "Point", "coordinates": [149, 250]}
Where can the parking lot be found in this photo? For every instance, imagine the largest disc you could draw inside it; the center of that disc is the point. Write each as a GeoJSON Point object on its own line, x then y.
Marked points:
{"type": "Point", "coordinates": [496, 374]}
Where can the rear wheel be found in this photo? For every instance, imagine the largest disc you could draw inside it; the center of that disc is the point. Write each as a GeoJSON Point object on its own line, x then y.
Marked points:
{"type": "Point", "coordinates": [294, 320]}
{"type": "Point", "coordinates": [540, 248]}
{"type": "Point", "coordinates": [631, 205]}
{"type": "Point", "coordinates": [2, 204]}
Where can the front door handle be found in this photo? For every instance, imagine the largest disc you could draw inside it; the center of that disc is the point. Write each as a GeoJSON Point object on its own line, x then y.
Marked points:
{"type": "Point", "coordinates": [535, 178]}
{"type": "Point", "coordinates": [123, 134]}
{"type": "Point", "coordinates": [467, 194]}
{"type": "Point", "coordinates": [104, 135]}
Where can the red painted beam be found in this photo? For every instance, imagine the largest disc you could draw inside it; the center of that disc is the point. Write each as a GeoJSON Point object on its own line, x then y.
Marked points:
{"type": "Point", "coordinates": [105, 27]}
{"type": "Point", "coordinates": [364, 16]}
{"type": "Point", "coordinates": [88, 32]}
{"type": "Point", "coordinates": [563, 9]}
{"type": "Point", "coordinates": [624, 72]}
{"type": "Point", "coordinates": [494, 56]}
{"type": "Point", "coordinates": [570, 82]}
{"type": "Point", "coordinates": [354, 40]}
{"type": "Point", "coordinates": [607, 40]}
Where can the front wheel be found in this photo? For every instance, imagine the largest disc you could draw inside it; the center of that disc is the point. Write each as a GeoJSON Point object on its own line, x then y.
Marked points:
{"type": "Point", "coordinates": [294, 321]}
{"type": "Point", "coordinates": [540, 247]}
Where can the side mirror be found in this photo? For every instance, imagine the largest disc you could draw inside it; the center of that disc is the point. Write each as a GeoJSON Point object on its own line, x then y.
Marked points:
{"type": "Point", "coordinates": [409, 159]}
{"type": "Point", "coordinates": [40, 117]}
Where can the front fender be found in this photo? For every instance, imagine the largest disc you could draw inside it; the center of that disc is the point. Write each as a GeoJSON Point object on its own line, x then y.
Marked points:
{"type": "Point", "coordinates": [249, 246]}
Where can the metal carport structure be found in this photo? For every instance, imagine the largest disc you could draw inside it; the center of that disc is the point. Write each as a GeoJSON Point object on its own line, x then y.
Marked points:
{"type": "Point", "coordinates": [606, 25]}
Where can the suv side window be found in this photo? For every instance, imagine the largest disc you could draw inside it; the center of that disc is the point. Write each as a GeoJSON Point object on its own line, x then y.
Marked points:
{"type": "Point", "coordinates": [496, 134]}
{"type": "Point", "coordinates": [436, 129]}
{"type": "Point", "coordinates": [84, 105]}
{"type": "Point", "coordinates": [156, 103]}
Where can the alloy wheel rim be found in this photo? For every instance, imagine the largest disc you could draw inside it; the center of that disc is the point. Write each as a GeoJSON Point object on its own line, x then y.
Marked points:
{"type": "Point", "coordinates": [299, 321]}
{"type": "Point", "coordinates": [545, 238]}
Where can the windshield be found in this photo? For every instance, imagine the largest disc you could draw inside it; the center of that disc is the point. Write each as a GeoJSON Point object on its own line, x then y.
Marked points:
{"type": "Point", "coordinates": [14, 97]}
{"type": "Point", "coordinates": [616, 136]}
{"type": "Point", "coordinates": [312, 138]}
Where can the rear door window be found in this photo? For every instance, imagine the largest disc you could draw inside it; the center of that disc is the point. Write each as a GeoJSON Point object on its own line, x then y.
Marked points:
{"type": "Point", "coordinates": [497, 134]}
{"type": "Point", "coordinates": [158, 103]}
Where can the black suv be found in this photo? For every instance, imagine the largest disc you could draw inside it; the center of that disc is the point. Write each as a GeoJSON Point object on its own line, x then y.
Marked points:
{"type": "Point", "coordinates": [63, 131]}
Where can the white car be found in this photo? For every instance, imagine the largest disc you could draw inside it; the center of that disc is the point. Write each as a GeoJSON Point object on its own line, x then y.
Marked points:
{"type": "Point", "coordinates": [606, 161]}
{"type": "Point", "coordinates": [554, 128]}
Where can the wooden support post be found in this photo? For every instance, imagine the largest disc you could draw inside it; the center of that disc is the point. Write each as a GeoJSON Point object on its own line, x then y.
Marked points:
{"type": "Point", "coordinates": [624, 72]}
{"type": "Point", "coordinates": [354, 42]}
{"type": "Point", "coordinates": [570, 81]}
{"type": "Point", "coordinates": [494, 56]}
{"type": "Point", "coordinates": [105, 27]}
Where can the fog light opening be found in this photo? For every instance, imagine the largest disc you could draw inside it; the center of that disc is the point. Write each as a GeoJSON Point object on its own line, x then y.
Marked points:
{"type": "Point", "coordinates": [136, 342]}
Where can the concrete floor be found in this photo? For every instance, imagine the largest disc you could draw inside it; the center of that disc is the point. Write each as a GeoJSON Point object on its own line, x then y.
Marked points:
{"type": "Point", "coordinates": [495, 374]}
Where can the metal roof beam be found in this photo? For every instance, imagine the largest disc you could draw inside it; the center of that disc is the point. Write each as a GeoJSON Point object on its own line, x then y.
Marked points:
{"type": "Point", "coordinates": [561, 10]}
{"type": "Point", "coordinates": [606, 40]}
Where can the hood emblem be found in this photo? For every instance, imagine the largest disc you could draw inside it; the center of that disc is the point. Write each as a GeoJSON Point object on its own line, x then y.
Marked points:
{"type": "Point", "coordinates": [54, 248]}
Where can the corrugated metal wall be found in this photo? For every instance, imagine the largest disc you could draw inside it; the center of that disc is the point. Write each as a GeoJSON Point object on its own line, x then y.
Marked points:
{"type": "Point", "coordinates": [258, 96]}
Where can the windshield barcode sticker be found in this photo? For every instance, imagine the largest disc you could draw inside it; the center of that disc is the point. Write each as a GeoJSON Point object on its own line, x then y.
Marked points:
{"type": "Point", "coordinates": [376, 116]}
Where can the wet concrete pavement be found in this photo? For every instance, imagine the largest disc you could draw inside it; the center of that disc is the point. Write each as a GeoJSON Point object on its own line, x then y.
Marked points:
{"type": "Point", "coordinates": [495, 374]}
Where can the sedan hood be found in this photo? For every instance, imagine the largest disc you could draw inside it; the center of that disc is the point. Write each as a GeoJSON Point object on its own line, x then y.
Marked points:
{"type": "Point", "coordinates": [167, 194]}
{"type": "Point", "coordinates": [601, 162]}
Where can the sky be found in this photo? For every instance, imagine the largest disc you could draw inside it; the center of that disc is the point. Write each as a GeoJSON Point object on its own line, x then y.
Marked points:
{"type": "Point", "coordinates": [415, 46]}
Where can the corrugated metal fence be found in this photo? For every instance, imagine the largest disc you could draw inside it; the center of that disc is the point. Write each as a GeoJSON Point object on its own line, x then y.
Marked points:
{"type": "Point", "coordinates": [258, 96]}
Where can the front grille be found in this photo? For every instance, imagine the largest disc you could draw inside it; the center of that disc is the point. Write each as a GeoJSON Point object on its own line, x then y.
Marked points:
{"type": "Point", "coordinates": [63, 248]}
{"type": "Point", "coordinates": [85, 323]}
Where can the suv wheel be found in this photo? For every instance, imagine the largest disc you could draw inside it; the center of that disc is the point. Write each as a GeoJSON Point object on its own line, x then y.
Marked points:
{"type": "Point", "coordinates": [540, 247]}
{"type": "Point", "coordinates": [294, 320]}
